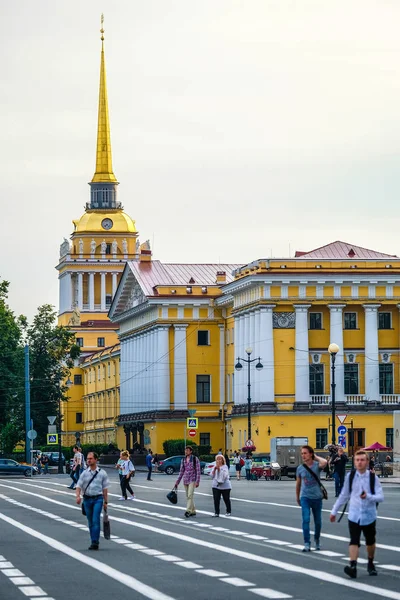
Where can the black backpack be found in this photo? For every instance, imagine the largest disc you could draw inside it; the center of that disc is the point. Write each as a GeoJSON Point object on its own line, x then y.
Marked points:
{"type": "Point", "coordinates": [351, 479]}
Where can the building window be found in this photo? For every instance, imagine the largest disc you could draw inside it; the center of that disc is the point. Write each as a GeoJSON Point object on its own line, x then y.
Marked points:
{"type": "Point", "coordinates": [351, 378]}
{"type": "Point", "coordinates": [108, 299]}
{"type": "Point", "coordinates": [315, 320]}
{"type": "Point", "coordinates": [78, 417]}
{"type": "Point", "coordinates": [350, 320]}
{"type": "Point", "coordinates": [108, 249]}
{"type": "Point", "coordinates": [205, 439]}
{"type": "Point", "coordinates": [233, 335]}
{"type": "Point", "coordinates": [389, 437]}
{"type": "Point", "coordinates": [321, 438]}
{"type": "Point", "coordinates": [79, 342]}
{"type": "Point", "coordinates": [109, 369]}
{"type": "Point", "coordinates": [203, 338]}
{"type": "Point", "coordinates": [316, 380]}
{"type": "Point", "coordinates": [386, 379]}
{"type": "Point", "coordinates": [101, 342]}
{"type": "Point", "coordinates": [77, 379]}
{"type": "Point", "coordinates": [227, 337]}
{"type": "Point", "coordinates": [385, 320]}
{"type": "Point", "coordinates": [98, 373]}
{"type": "Point", "coordinates": [203, 389]}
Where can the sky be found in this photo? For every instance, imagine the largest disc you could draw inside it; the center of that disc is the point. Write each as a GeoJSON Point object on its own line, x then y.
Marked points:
{"type": "Point", "coordinates": [240, 129]}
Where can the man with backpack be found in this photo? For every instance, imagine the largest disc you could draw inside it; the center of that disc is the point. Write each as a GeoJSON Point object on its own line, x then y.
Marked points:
{"type": "Point", "coordinates": [363, 490]}
{"type": "Point", "coordinates": [190, 472]}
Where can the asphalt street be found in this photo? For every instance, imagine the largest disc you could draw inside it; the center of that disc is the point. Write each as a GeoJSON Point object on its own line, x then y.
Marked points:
{"type": "Point", "coordinates": [156, 553]}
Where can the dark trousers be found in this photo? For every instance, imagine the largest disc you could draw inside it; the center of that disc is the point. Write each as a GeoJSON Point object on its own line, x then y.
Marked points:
{"type": "Point", "coordinates": [149, 473]}
{"type": "Point", "coordinates": [76, 474]}
{"type": "Point", "coordinates": [248, 474]}
{"type": "Point", "coordinates": [125, 486]}
{"type": "Point", "coordinates": [339, 481]}
{"type": "Point", "coordinates": [226, 494]}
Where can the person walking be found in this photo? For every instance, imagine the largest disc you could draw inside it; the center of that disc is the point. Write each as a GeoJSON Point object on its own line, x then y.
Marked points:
{"type": "Point", "coordinates": [309, 495]}
{"type": "Point", "coordinates": [221, 486]}
{"type": "Point", "coordinates": [156, 462]}
{"type": "Point", "coordinates": [227, 460]}
{"type": "Point", "coordinates": [94, 484]}
{"type": "Point", "coordinates": [339, 470]}
{"type": "Point", "coordinates": [76, 467]}
{"type": "Point", "coordinates": [237, 463]}
{"type": "Point", "coordinates": [45, 464]}
{"type": "Point", "coordinates": [119, 466]}
{"type": "Point", "coordinates": [149, 464]}
{"type": "Point", "coordinates": [363, 490]}
{"type": "Point", "coordinates": [190, 472]}
{"type": "Point", "coordinates": [128, 471]}
{"type": "Point", "coordinates": [247, 465]}
{"type": "Point", "coordinates": [38, 464]}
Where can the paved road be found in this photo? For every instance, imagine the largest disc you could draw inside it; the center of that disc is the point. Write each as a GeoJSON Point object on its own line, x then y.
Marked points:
{"type": "Point", "coordinates": [157, 553]}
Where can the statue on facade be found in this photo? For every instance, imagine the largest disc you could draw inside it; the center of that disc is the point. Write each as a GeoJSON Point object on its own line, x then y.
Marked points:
{"type": "Point", "coordinates": [103, 247]}
{"type": "Point", "coordinates": [92, 246]}
{"type": "Point", "coordinates": [75, 318]}
{"type": "Point", "coordinates": [114, 247]}
{"type": "Point", "coordinates": [80, 246]}
{"type": "Point", "coordinates": [145, 245]}
{"type": "Point", "coordinates": [137, 248]}
{"type": "Point", "coordinates": [124, 246]}
{"type": "Point", "coordinates": [64, 248]}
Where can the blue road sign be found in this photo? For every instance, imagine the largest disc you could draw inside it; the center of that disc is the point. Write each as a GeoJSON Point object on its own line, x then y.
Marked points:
{"type": "Point", "coordinates": [342, 430]}
{"type": "Point", "coordinates": [342, 441]}
{"type": "Point", "coordinates": [192, 423]}
{"type": "Point", "coordinates": [52, 438]}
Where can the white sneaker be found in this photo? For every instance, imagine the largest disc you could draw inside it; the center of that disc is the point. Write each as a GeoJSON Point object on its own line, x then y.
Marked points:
{"type": "Point", "coordinates": [227, 514]}
{"type": "Point", "coordinates": [215, 515]}
{"type": "Point", "coordinates": [122, 498]}
{"type": "Point", "coordinates": [131, 498]}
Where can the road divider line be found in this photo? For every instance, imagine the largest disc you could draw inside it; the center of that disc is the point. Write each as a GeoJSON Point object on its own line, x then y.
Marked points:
{"type": "Point", "coordinates": [120, 577]}
{"type": "Point", "coordinates": [24, 584]}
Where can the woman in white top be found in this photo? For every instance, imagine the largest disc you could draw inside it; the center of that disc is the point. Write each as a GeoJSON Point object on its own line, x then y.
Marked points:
{"type": "Point", "coordinates": [128, 470]}
{"type": "Point", "coordinates": [221, 485]}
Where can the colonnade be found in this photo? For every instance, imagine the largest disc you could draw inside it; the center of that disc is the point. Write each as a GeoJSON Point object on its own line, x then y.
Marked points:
{"type": "Point", "coordinates": [72, 290]}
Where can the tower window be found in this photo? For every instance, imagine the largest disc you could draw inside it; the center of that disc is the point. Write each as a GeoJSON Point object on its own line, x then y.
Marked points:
{"type": "Point", "coordinates": [203, 338]}
{"type": "Point", "coordinates": [79, 342]}
{"type": "Point", "coordinates": [101, 342]}
{"type": "Point", "coordinates": [77, 379]}
{"type": "Point", "coordinates": [108, 249]}
{"type": "Point", "coordinates": [108, 299]}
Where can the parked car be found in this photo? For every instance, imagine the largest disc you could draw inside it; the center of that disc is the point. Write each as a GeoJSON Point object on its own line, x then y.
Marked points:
{"type": "Point", "coordinates": [172, 465]}
{"type": "Point", "coordinates": [12, 467]}
{"type": "Point", "coordinates": [53, 458]}
{"type": "Point", "coordinates": [232, 469]}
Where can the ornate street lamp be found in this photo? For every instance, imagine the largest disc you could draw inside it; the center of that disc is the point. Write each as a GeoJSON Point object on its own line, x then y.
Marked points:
{"type": "Point", "coordinates": [333, 349]}
{"type": "Point", "coordinates": [239, 366]}
{"type": "Point", "coordinates": [60, 469]}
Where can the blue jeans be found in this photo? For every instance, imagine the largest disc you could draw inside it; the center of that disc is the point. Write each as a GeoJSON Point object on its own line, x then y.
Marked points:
{"type": "Point", "coordinates": [308, 505]}
{"type": "Point", "coordinates": [338, 483]}
{"type": "Point", "coordinates": [248, 474]}
{"type": "Point", "coordinates": [93, 508]}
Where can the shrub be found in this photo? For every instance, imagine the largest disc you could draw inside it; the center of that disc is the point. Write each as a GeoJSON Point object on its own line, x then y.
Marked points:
{"type": "Point", "coordinates": [177, 447]}
{"type": "Point", "coordinates": [207, 457]}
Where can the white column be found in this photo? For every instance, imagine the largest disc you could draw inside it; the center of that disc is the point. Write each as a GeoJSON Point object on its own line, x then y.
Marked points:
{"type": "Point", "coordinates": [371, 351]}
{"type": "Point", "coordinates": [103, 291]}
{"type": "Point", "coordinates": [139, 376]}
{"type": "Point", "coordinates": [145, 372]}
{"type": "Point", "coordinates": [114, 283]}
{"type": "Point", "coordinates": [267, 375]}
{"type": "Point", "coordinates": [91, 291]}
{"type": "Point", "coordinates": [336, 337]}
{"type": "Point", "coordinates": [302, 368]}
{"type": "Point", "coordinates": [246, 338]}
{"type": "Point", "coordinates": [221, 364]}
{"type": "Point", "coordinates": [153, 368]}
{"type": "Point", "coordinates": [163, 352]}
{"type": "Point", "coordinates": [238, 385]}
{"type": "Point", "coordinates": [180, 368]}
{"type": "Point", "coordinates": [123, 383]}
{"type": "Point", "coordinates": [132, 371]}
{"type": "Point", "coordinates": [257, 352]}
{"type": "Point", "coordinates": [80, 291]}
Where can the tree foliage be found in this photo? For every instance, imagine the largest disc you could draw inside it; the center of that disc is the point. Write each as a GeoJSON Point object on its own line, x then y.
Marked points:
{"type": "Point", "coordinates": [52, 351]}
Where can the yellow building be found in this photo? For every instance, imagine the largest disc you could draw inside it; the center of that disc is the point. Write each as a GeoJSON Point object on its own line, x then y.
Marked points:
{"type": "Point", "coordinates": [91, 265]}
{"type": "Point", "coordinates": [183, 328]}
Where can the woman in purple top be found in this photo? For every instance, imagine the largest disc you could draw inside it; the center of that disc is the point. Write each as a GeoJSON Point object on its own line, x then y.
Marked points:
{"type": "Point", "coordinates": [190, 472]}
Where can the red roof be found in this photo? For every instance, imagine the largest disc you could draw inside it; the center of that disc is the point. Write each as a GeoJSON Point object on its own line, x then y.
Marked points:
{"type": "Point", "coordinates": [155, 273]}
{"type": "Point", "coordinates": [342, 250]}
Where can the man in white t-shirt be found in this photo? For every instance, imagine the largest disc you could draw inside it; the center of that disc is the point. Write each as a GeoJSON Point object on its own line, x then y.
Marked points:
{"type": "Point", "coordinates": [77, 467]}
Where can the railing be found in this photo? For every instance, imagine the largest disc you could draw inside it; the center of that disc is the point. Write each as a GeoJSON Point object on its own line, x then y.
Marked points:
{"type": "Point", "coordinates": [354, 399]}
{"type": "Point", "coordinates": [389, 399]}
{"type": "Point", "coordinates": [320, 399]}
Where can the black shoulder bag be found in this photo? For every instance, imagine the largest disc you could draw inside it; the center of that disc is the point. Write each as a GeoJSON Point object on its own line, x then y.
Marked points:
{"type": "Point", "coordinates": [83, 506]}
{"type": "Point", "coordinates": [322, 487]}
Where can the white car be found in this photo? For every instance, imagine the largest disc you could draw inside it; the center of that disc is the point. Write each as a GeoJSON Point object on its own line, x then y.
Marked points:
{"type": "Point", "coordinates": [232, 470]}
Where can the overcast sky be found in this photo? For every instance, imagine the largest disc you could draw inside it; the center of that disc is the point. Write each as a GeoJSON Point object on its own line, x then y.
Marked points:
{"type": "Point", "coordinates": [239, 129]}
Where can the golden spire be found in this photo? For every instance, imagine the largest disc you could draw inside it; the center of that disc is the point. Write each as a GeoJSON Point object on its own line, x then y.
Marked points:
{"type": "Point", "coordinates": [104, 170]}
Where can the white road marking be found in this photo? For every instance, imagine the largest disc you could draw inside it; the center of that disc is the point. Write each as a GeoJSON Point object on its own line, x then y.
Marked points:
{"type": "Point", "coordinates": [12, 572]}
{"type": "Point", "coordinates": [187, 564]}
{"type": "Point", "coordinates": [296, 546]}
{"type": "Point", "coordinates": [277, 542]}
{"type": "Point", "coordinates": [255, 537]}
{"type": "Point", "coordinates": [22, 581]}
{"type": "Point", "coordinates": [212, 573]}
{"type": "Point", "coordinates": [390, 567]}
{"type": "Point", "coordinates": [135, 546]}
{"type": "Point", "coordinates": [152, 552]}
{"type": "Point", "coordinates": [6, 565]}
{"type": "Point", "coordinates": [268, 593]}
{"type": "Point", "coordinates": [141, 511]}
{"type": "Point", "coordinates": [236, 581]}
{"type": "Point", "coordinates": [329, 553]}
{"type": "Point", "coordinates": [103, 568]}
{"type": "Point", "coordinates": [169, 558]}
{"type": "Point", "coordinates": [32, 591]}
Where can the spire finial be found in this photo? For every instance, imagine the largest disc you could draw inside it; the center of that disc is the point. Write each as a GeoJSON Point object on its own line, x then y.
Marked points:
{"type": "Point", "coordinates": [102, 28]}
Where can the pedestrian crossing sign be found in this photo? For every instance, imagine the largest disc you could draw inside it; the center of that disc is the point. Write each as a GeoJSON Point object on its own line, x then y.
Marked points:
{"type": "Point", "coordinates": [192, 423]}
{"type": "Point", "coordinates": [52, 438]}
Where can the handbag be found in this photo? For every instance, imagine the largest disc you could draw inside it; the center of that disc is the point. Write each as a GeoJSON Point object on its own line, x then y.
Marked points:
{"type": "Point", "coordinates": [106, 526]}
{"type": "Point", "coordinates": [173, 496]}
{"type": "Point", "coordinates": [322, 487]}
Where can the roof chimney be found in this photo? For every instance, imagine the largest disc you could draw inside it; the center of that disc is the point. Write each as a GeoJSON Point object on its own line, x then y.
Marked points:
{"type": "Point", "coordinates": [221, 277]}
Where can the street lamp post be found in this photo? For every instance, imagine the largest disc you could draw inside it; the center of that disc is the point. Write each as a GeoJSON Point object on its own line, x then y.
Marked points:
{"type": "Point", "coordinates": [239, 366]}
{"type": "Point", "coordinates": [333, 349]}
{"type": "Point", "coordinates": [60, 469]}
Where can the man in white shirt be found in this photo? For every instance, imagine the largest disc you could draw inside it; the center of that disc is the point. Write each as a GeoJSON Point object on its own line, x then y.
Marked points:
{"type": "Point", "coordinates": [94, 485]}
{"type": "Point", "coordinates": [364, 491]}
{"type": "Point", "coordinates": [77, 467]}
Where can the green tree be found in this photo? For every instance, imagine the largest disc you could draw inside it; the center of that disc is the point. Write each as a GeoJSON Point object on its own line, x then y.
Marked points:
{"type": "Point", "coordinates": [52, 351]}
{"type": "Point", "coordinates": [11, 373]}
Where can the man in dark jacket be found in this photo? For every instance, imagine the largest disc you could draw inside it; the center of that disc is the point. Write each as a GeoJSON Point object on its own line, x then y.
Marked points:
{"type": "Point", "coordinates": [339, 470]}
{"type": "Point", "coordinates": [149, 464]}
